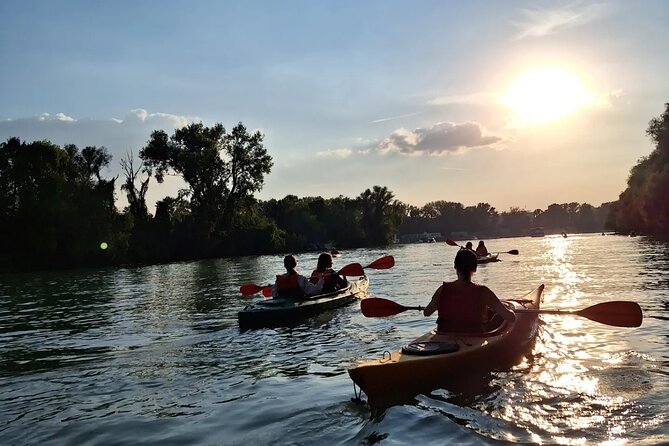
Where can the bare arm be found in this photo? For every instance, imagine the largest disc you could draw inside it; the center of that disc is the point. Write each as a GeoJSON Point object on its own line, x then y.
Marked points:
{"type": "Point", "coordinates": [434, 303]}
{"type": "Point", "coordinates": [310, 288]}
{"type": "Point", "coordinates": [492, 301]}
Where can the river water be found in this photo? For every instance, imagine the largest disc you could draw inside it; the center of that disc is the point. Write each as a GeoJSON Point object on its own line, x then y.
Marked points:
{"type": "Point", "coordinates": [154, 355]}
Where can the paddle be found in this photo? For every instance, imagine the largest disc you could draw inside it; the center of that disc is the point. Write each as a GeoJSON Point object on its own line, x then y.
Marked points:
{"type": "Point", "coordinates": [615, 313]}
{"type": "Point", "coordinates": [379, 307]}
{"type": "Point", "coordinates": [618, 313]}
{"type": "Point", "coordinates": [513, 252]}
{"type": "Point", "coordinates": [353, 269]}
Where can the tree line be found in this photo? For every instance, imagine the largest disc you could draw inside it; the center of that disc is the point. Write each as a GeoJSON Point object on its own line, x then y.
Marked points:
{"type": "Point", "coordinates": [57, 210]}
{"type": "Point", "coordinates": [643, 207]}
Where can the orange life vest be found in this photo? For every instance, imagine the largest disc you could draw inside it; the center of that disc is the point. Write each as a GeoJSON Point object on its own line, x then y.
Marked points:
{"type": "Point", "coordinates": [288, 286]}
{"type": "Point", "coordinates": [461, 309]}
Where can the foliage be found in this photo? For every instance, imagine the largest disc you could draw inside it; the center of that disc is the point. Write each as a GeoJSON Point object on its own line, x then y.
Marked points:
{"type": "Point", "coordinates": [55, 208]}
{"type": "Point", "coordinates": [643, 206]}
{"type": "Point", "coordinates": [220, 169]}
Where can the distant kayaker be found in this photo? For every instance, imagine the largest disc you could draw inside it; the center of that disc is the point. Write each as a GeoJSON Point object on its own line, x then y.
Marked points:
{"type": "Point", "coordinates": [331, 280]}
{"type": "Point", "coordinates": [292, 284]}
{"type": "Point", "coordinates": [469, 246]}
{"type": "Point", "coordinates": [481, 250]}
{"type": "Point", "coordinates": [463, 306]}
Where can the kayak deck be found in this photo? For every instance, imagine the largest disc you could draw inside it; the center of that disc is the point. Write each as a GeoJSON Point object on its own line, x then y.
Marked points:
{"type": "Point", "coordinates": [429, 361]}
{"type": "Point", "coordinates": [488, 258]}
{"type": "Point", "coordinates": [279, 311]}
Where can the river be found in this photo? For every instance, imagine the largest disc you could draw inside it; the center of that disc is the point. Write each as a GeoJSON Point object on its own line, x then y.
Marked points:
{"type": "Point", "coordinates": [154, 355]}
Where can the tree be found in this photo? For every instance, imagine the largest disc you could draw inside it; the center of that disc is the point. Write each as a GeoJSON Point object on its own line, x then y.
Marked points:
{"type": "Point", "coordinates": [248, 163]}
{"type": "Point", "coordinates": [136, 196]}
{"type": "Point", "coordinates": [219, 168]}
{"type": "Point", "coordinates": [643, 206]}
{"type": "Point", "coordinates": [381, 215]}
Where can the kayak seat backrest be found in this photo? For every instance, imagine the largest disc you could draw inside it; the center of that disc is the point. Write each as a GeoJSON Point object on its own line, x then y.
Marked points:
{"type": "Point", "coordinates": [429, 348]}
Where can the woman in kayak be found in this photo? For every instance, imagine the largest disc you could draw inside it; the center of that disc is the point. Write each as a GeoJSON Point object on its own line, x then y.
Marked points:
{"type": "Point", "coordinates": [463, 306]}
{"type": "Point", "coordinates": [331, 280]}
{"type": "Point", "coordinates": [481, 250]}
{"type": "Point", "coordinates": [292, 284]}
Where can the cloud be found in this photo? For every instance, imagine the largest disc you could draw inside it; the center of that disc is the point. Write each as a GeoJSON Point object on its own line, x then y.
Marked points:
{"type": "Point", "coordinates": [119, 136]}
{"type": "Point", "coordinates": [440, 139]}
{"type": "Point", "coordinates": [336, 153]}
{"type": "Point", "coordinates": [539, 23]}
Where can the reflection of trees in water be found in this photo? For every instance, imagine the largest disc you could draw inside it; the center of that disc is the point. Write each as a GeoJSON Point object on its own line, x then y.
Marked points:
{"type": "Point", "coordinates": [70, 301]}
{"type": "Point", "coordinates": [45, 318]}
{"type": "Point", "coordinates": [654, 272]}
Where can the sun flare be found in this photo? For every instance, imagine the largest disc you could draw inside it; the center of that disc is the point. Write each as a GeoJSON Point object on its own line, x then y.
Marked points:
{"type": "Point", "coordinates": [546, 95]}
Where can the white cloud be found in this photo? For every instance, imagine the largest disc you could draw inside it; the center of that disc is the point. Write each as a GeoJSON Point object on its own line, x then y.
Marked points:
{"type": "Point", "coordinates": [336, 153]}
{"type": "Point", "coordinates": [119, 136]}
{"type": "Point", "coordinates": [539, 23]}
{"type": "Point", "coordinates": [440, 139]}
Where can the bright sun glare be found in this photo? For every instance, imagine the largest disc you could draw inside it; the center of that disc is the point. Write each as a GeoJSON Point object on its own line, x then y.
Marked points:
{"type": "Point", "coordinates": [546, 95]}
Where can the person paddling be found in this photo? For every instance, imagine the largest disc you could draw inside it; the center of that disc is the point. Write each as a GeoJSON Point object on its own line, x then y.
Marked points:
{"type": "Point", "coordinates": [331, 280]}
{"type": "Point", "coordinates": [481, 250]}
{"type": "Point", "coordinates": [462, 306]}
{"type": "Point", "coordinates": [292, 284]}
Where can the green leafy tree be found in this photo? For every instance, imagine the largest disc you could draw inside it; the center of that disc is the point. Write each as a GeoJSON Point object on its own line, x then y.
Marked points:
{"type": "Point", "coordinates": [381, 215]}
{"type": "Point", "coordinates": [643, 206]}
{"type": "Point", "coordinates": [219, 168]}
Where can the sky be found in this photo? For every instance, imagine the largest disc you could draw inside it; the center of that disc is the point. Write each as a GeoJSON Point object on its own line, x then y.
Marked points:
{"type": "Point", "coordinates": [512, 103]}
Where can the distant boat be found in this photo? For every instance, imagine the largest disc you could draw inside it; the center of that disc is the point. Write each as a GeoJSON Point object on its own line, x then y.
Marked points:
{"type": "Point", "coordinates": [537, 231]}
{"type": "Point", "coordinates": [564, 234]}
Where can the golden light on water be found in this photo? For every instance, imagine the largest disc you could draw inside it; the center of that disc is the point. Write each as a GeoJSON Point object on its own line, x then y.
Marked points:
{"type": "Point", "coordinates": [546, 95]}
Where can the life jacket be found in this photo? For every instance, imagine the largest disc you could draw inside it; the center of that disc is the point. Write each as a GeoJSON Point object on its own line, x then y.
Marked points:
{"type": "Point", "coordinates": [287, 285]}
{"type": "Point", "coordinates": [461, 309]}
{"type": "Point", "coordinates": [331, 281]}
{"type": "Point", "coordinates": [481, 251]}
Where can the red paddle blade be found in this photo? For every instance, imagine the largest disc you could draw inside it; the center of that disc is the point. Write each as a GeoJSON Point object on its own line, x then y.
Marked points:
{"type": "Point", "coordinates": [616, 313]}
{"type": "Point", "coordinates": [249, 289]}
{"type": "Point", "coordinates": [385, 262]}
{"type": "Point", "coordinates": [451, 242]}
{"type": "Point", "coordinates": [267, 291]}
{"type": "Point", "coordinates": [378, 307]}
{"type": "Point", "coordinates": [354, 269]}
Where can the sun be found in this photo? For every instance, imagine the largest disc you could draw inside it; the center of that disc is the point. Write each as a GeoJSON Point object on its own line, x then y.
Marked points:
{"type": "Point", "coordinates": [546, 95]}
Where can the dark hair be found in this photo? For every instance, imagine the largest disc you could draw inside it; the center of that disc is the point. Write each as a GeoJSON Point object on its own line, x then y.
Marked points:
{"type": "Point", "coordinates": [324, 260]}
{"type": "Point", "coordinates": [481, 243]}
{"type": "Point", "coordinates": [465, 262]}
{"type": "Point", "coordinates": [290, 263]}
{"type": "Point", "coordinates": [468, 245]}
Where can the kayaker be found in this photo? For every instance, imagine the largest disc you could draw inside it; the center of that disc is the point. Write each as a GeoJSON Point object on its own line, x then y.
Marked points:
{"type": "Point", "coordinates": [481, 250]}
{"type": "Point", "coordinates": [468, 246]}
{"type": "Point", "coordinates": [292, 284]}
{"type": "Point", "coordinates": [331, 280]}
{"type": "Point", "coordinates": [463, 306]}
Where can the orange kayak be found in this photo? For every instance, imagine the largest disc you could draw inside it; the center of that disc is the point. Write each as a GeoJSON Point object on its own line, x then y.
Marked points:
{"type": "Point", "coordinates": [427, 362]}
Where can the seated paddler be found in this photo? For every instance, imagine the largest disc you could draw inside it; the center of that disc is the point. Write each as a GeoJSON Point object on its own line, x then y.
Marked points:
{"type": "Point", "coordinates": [463, 306]}
{"type": "Point", "coordinates": [331, 280]}
{"type": "Point", "coordinates": [292, 284]}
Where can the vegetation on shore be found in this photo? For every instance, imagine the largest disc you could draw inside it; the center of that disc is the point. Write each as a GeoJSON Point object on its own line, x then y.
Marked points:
{"type": "Point", "coordinates": [643, 207]}
{"type": "Point", "coordinates": [56, 209]}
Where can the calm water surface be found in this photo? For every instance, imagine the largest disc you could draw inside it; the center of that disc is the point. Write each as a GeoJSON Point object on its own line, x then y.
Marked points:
{"type": "Point", "coordinates": [153, 355]}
